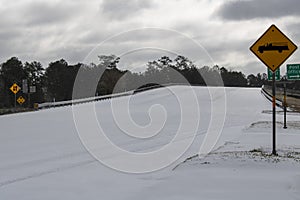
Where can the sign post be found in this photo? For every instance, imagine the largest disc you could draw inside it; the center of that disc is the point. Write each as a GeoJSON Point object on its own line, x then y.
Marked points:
{"type": "Point", "coordinates": [273, 48]}
{"type": "Point", "coordinates": [32, 89]}
{"type": "Point", "coordinates": [292, 74]}
{"type": "Point", "coordinates": [274, 113]}
{"type": "Point", "coordinates": [284, 106]}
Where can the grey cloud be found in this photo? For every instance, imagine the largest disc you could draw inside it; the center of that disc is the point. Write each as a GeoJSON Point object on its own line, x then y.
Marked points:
{"type": "Point", "coordinates": [247, 10]}
{"type": "Point", "coordinates": [9, 34]}
{"type": "Point", "coordinates": [25, 48]}
{"type": "Point", "coordinates": [252, 67]}
{"type": "Point", "coordinates": [72, 54]}
{"type": "Point", "coordinates": [144, 36]}
{"type": "Point", "coordinates": [93, 37]}
{"type": "Point", "coordinates": [120, 9]}
{"type": "Point", "coordinates": [6, 51]}
{"type": "Point", "coordinates": [30, 29]}
{"type": "Point", "coordinates": [45, 13]}
{"type": "Point", "coordinates": [137, 60]}
{"type": "Point", "coordinates": [293, 30]}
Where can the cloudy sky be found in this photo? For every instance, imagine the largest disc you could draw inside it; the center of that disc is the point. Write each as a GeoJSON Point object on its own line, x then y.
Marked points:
{"type": "Point", "coordinates": [207, 31]}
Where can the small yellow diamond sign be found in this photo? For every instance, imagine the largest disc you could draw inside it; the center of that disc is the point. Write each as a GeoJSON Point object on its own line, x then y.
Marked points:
{"type": "Point", "coordinates": [21, 100]}
{"type": "Point", "coordinates": [273, 48]}
{"type": "Point", "coordinates": [15, 88]}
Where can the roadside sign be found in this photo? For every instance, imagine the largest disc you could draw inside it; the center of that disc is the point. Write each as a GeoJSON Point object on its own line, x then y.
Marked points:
{"type": "Point", "coordinates": [21, 100]}
{"type": "Point", "coordinates": [277, 75]}
{"type": "Point", "coordinates": [15, 88]}
{"type": "Point", "coordinates": [32, 89]}
{"type": "Point", "coordinates": [293, 71]}
{"type": "Point", "coordinates": [273, 48]}
{"type": "Point", "coordinates": [24, 86]}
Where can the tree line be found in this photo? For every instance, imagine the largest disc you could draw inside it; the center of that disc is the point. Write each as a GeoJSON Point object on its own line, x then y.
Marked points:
{"type": "Point", "coordinates": [55, 82]}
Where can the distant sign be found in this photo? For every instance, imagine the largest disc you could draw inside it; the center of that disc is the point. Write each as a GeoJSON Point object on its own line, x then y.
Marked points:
{"type": "Point", "coordinates": [32, 89]}
{"type": "Point", "coordinates": [277, 75]}
{"type": "Point", "coordinates": [21, 100]}
{"type": "Point", "coordinates": [273, 48]}
{"type": "Point", "coordinates": [24, 86]}
{"type": "Point", "coordinates": [15, 88]}
{"type": "Point", "coordinates": [293, 71]}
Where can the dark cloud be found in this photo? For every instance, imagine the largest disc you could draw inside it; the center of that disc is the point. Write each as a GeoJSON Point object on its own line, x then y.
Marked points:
{"type": "Point", "coordinates": [247, 10]}
{"type": "Point", "coordinates": [29, 30]}
{"type": "Point", "coordinates": [120, 9]}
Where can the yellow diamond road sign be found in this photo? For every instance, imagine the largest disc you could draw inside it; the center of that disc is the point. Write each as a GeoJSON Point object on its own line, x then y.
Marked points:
{"type": "Point", "coordinates": [273, 48]}
{"type": "Point", "coordinates": [20, 100]}
{"type": "Point", "coordinates": [15, 88]}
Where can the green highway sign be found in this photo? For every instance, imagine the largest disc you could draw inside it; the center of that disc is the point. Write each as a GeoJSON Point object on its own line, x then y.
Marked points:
{"type": "Point", "coordinates": [277, 74]}
{"type": "Point", "coordinates": [293, 71]}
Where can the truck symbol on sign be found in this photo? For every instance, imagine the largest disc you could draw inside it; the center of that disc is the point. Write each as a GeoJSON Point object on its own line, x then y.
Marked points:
{"type": "Point", "coordinates": [275, 46]}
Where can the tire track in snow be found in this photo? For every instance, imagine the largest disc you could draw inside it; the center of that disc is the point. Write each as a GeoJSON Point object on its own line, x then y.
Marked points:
{"type": "Point", "coordinates": [43, 160]}
{"type": "Point", "coordinates": [50, 171]}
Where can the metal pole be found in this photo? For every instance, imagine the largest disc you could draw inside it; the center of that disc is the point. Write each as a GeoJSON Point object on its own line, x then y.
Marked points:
{"type": "Point", "coordinates": [29, 99]}
{"type": "Point", "coordinates": [274, 114]}
{"type": "Point", "coordinates": [15, 100]}
{"type": "Point", "coordinates": [284, 107]}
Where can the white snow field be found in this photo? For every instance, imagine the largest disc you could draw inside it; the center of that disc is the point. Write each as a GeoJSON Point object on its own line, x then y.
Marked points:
{"type": "Point", "coordinates": [43, 158]}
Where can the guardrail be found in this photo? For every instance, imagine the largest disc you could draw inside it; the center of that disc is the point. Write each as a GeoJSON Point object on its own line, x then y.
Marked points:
{"type": "Point", "coordinates": [289, 92]}
{"type": "Point", "coordinates": [98, 98]}
{"type": "Point", "coordinates": [269, 97]}
{"type": "Point", "coordinates": [79, 101]}
{"type": "Point", "coordinates": [132, 92]}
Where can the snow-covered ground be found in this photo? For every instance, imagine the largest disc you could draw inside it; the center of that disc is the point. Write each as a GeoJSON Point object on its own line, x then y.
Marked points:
{"type": "Point", "coordinates": [42, 156]}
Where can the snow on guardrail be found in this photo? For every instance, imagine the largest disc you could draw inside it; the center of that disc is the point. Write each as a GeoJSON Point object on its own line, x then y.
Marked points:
{"type": "Point", "coordinates": [79, 101]}
{"type": "Point", "coordinates": [97, 98]}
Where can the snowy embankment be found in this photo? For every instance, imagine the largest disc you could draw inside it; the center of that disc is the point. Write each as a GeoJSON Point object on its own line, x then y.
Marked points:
{"type": "Point", "coordinates": [42, 156]}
